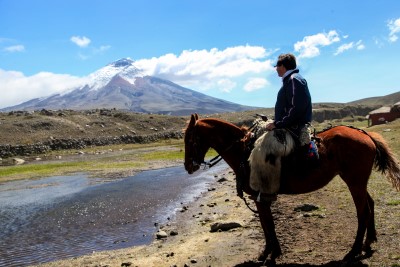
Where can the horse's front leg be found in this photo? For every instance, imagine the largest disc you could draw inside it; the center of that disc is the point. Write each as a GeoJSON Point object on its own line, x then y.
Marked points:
{"type": "Point", "coordinates": [272, 246]}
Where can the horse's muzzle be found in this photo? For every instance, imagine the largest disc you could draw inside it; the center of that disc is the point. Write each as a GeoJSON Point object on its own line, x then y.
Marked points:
{"type": "Point", "coordinates": [192, 167]}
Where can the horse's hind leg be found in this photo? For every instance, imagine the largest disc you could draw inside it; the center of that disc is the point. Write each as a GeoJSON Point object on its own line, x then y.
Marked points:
{"type": "Point", "coordinates": [360, 197]}
{"type": "Point", "coordinates": [371, 231]}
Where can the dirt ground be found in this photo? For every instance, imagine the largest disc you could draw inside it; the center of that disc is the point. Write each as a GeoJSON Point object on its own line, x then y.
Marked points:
{"type": "Point", "coordinates": [308, 238]}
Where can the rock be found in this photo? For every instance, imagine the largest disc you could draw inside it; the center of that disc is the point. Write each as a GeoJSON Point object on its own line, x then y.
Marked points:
{"type": "Point", "coordinates": [161, 234]}
{"type": "Point", "coordinates": [126, 264]}
{"type": "Point", "coordinates": [18, 161]}
{"type": "Point", "coordinates": [173, 233]}
{"type": "Point", "coordinates": [306, 207]}
{"type": "Point", "coordinates": [46, 112]}
{"type": "Point", "coordinates": [224, 226]}
{"type": "Point", "coordinates": [223, 179]}
{"type": "Point", "coordinates": [184, 208]}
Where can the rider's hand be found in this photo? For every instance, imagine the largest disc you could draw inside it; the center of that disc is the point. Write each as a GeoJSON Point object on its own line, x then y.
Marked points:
{"type": "Point", "coordinates": [270, 126]}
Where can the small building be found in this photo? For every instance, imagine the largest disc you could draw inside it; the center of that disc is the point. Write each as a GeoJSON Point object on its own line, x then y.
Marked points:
{"type": "Point", "coordinates": [384, 114]}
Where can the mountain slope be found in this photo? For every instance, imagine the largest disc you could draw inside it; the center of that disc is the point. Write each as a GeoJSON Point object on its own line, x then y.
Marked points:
{"type": "Point", "coordinates": [386, 100]}
{"type": "Point", "coordinates": [122, 86]}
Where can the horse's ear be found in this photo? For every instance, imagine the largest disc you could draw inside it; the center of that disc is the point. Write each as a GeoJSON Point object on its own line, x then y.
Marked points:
{"type": "Point", "coordinates": [193, 120]}
{"type": "Point", "coordinates": [196, 116]}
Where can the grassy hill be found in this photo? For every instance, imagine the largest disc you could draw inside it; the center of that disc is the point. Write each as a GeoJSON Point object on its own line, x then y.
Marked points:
{"type": "Point", "coordinates": [386, 100]}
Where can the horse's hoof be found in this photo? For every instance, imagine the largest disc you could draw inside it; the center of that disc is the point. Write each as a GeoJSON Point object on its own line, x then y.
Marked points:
{"type": "Point", "coordinates": [269, 263]}
{"type": "Point", "coordinates": [368, 250]}
{"type": "Point", "coordinates": [351, 256]}
{"type": "Point", "coordinates": [264, 255]}
{"type": "Point", "coordinates": [367, 247]}
{"type": "Point", "coordinates": [276, 253]}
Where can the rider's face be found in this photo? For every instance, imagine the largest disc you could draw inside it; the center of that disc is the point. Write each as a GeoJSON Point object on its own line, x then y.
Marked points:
{"type": "Point", "coordinates": [280, 69]}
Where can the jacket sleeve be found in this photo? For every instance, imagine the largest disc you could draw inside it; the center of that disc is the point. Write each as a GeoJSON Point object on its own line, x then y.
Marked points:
{"type": "Point", "coordinates": [298, 96]}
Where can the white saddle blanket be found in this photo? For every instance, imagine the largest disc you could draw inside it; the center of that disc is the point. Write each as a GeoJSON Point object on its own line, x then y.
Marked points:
{"type": "Point", "coordinates": [265, 160]}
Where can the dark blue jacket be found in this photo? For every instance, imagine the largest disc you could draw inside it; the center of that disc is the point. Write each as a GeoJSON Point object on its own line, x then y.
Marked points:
{"type": "Point", "coordinates": [293, 106]}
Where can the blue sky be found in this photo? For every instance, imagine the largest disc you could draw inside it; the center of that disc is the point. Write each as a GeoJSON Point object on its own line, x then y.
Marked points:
{"type": "Point", "coordinates": [347, 50]}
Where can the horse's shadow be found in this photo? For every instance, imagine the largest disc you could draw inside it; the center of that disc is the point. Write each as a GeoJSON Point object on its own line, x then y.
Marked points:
{"type": "Point", "coordinates": [328, 264]}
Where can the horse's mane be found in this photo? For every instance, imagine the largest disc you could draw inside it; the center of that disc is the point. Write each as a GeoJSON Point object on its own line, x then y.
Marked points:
{"type": "Point", "coordinates": [223, 125]}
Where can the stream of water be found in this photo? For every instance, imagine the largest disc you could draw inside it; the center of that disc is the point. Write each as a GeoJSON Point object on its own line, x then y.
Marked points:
{"type": "Point", "coordinates": [67, 216]}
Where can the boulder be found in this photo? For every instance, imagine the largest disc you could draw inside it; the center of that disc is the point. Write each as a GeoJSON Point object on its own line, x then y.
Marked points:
{"type": "Point", "coordinates": [224, 226]}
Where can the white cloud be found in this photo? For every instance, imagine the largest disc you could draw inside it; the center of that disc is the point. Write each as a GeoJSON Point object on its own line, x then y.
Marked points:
{"type": "Point", "coordinates": [255, 84]}
{"type": "Point", "coordinates": [226, 85]}
{"type": "Point", "coordinates": [205, 69]}
{"type": "Point", "coordinates": [394, 27]}
{"type": "Point", "coordinates": [17, 88]}
{"type": "Point", "coordinates": [360, 45]}
{"type": "Point", "coordinates": [80, 41]}
{"type": "Point", "coordinates": [14, 48]}
{"type": "Point", "coordinates": [309, 47]}
{"type": "Point", "coordinates": [101, 49]}
{"type": "Point", "coordinates": [344, 47]}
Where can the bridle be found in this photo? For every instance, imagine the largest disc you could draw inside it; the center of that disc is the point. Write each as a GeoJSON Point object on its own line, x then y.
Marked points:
{"type": "Point", "coordinates": [212, 162]}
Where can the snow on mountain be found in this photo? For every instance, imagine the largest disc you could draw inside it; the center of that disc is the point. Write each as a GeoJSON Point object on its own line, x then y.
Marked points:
{"type": "Point", "coordinates": [121, 85]}
{"type": "Point", "coordinates": [123, 67]}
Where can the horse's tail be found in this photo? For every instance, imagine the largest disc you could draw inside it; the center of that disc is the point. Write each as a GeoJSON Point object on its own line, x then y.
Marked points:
{"type": "Point", "coordinates": [385, 161]}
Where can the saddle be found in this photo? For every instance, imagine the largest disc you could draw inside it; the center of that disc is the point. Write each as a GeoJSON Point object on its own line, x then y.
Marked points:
{"type": "Point", "coordinates": [275, 149]}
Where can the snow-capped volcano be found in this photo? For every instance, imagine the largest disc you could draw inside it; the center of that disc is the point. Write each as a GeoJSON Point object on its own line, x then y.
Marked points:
{"type": "Point", "coordinates": [121, 85]}
{"type": "Point", "coordinates": [123, 67]}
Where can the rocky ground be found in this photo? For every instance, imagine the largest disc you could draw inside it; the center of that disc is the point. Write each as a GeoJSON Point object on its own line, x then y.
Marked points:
{"type": "Point", "coordinates": [317, 237]}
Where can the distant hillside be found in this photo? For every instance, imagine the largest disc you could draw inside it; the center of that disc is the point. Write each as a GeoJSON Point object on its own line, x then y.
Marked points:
{"type": "Point", "coordinates": [386, 100]}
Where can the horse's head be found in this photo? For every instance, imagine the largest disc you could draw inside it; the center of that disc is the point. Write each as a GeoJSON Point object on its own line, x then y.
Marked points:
{"type": "Point", "coordinates": [195, 149]}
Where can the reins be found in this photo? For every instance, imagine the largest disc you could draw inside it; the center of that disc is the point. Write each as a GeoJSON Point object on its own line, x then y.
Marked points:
{"type": "Point", "coordinates": [212, 162]}
{"type": "Point", "coordinates": [248, 206]}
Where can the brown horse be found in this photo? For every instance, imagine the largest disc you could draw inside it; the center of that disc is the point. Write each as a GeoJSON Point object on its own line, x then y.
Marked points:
{"type": "Point", "coordinates": [344, 151]}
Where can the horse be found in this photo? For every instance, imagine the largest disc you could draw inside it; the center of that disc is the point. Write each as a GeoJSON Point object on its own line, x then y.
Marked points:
{"type": "Point", "coordinates": [348, 152]}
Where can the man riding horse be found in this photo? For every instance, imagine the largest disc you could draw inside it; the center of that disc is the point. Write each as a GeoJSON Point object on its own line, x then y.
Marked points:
{"type": "Point", "coordinates": [293, 108]}
{"type": "Point", "coordinates": [293, 115]}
